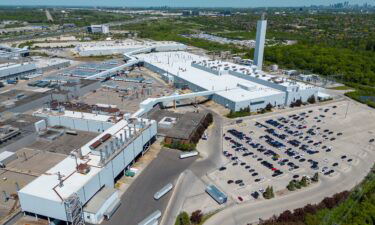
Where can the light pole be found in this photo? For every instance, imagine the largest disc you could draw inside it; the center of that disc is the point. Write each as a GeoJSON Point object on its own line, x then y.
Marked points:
{"type": "Point", "coordinates": [347, 109]}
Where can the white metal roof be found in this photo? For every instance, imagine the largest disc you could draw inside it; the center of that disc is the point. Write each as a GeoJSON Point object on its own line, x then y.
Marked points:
{"type": "Point", "coordinates": [179, 64]}
{"type": "Point", "coordinates": [5, 155]}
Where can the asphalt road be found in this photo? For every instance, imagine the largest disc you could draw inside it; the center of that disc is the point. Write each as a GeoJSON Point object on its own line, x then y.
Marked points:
{"type": "Point", "coordinates": [138, 202]}
{"type": "Point", "coordinates": [210, 150]}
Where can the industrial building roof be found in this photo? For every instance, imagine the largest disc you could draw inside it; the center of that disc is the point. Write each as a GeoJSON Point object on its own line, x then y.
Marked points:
{"type": "Point", "coordinates": [179, 64]}
{"type": "Point", "coordinates": [42, 62]}
{"type": "Point", "coordinates": [115, 45]}
{"type": "Point", "coordinates": [75, 114]}
{"type": "Point", "coordinates": [6, 66]}
{"type": "Point", "coordinates": [47, 185]}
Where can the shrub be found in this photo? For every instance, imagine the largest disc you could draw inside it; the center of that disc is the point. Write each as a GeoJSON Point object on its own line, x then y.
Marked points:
{"type": "Point", "coordinates": [311, 99]}
{"type": "Point", "coordinates": [315, 178]}
{"type": "Point", "coordinates": [182, 219]}
{"type": "Point", "coordinates": [268, 194]}
{"type": "Point", "coordinates": [196, 217]}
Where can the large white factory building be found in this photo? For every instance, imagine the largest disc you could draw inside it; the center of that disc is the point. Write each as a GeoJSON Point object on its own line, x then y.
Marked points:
{"type": "Point", "coordinates": [81, 187]}
{"type": "Point", "coordinates": [236, 86]}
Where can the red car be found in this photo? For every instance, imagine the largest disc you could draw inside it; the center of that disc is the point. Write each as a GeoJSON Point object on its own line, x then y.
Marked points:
{"type": "Point", "coordinates": [240, 198]}
{"type": "Point", "coordinates": [274, 169]}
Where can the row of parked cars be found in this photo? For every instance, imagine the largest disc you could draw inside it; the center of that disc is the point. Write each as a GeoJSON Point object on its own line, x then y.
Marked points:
{"type": "Point", "coordinates": [303, 140]}
{"type": "Point", "coordinates": [260, 148]}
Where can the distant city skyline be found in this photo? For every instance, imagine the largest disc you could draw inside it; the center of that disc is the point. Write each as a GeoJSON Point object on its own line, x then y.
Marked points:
{"type": "Point", "coordinates": [178, 3]}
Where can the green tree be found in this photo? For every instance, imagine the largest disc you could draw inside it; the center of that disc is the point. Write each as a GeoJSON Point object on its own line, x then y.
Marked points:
{"type": "Point", "coordinates": [291, 186]}
{"type": "Point", "coordinates": [182, 219]}
{"type": "Point", "coordinates": [268, 194]}
{"type": "Point", "coordinates": [315, 178]}
{"type": "Point", "coordinates": [311, 99]}
{"type": "Point", "coordinates": [303, 182]}
{"type": "Point", "coordinates": [269, 107]}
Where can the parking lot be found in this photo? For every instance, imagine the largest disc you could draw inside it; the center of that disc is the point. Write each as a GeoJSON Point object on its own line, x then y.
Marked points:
{"type": "Point", "coordinates": [273, 150]}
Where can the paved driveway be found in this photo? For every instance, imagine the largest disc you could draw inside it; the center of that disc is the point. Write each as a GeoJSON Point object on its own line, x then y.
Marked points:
{"type": "Point", "coordinates": [138, 202]}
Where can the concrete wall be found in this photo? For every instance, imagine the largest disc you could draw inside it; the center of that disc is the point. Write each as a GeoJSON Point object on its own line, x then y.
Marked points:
{"type": "Point", "coordinates": [40, 206]}
{"type": "Point", "coordinates": [76, 123]}
{"type": "Point", "coordinates": [260, 103]}
{"type": "Point", "coordinates": [301, 94]}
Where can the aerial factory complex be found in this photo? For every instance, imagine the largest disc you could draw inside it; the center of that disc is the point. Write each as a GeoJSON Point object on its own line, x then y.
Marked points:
{"type": "Point", "coordinates": [98, 126]}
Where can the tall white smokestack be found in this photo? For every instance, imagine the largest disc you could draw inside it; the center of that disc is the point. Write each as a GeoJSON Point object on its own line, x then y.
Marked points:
{"type": "Point", "coordinates": [260, 40]}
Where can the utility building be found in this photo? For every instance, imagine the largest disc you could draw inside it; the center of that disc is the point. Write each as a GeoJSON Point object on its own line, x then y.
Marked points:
{"type": "Point", "coordinates": [260, 41]}
{"type": "Point", "coordinates": [80, 188]}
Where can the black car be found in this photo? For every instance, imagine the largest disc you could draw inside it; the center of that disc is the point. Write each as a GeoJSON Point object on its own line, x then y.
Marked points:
{"type": "Point", "coordinates": [335, 164]}
{"type": "Point", "coordinates": [222, 168]}
{"type": "Point", "coordinates": [235, 164]}
{"type": "Point", "coordinates": [251, 170]}
{"type": "Point", "coordinates": [257, 180]}
{"type": "Point", "coordinates": [343, 157]}
{"type": "Point", "coordinates": [247, 167]}
{"type": "Point", "coordinates": [254, 174]}
{"type": "Point", "coordinates": [230, 182]}
{"type": "Point", "coordinates": [255, 194]}
{"type": "Point", "coordinates": [242, 164]}
{"type": "Point", "coordinates": [295, 176]}
{"type": "Point", "coordinates": [238, 181]}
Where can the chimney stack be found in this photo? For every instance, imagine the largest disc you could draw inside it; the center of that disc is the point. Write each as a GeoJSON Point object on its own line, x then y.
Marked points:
{"type": "Point", "coordinates": [260, 41]}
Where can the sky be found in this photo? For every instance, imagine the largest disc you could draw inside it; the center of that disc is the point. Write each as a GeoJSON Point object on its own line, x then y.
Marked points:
{"type": "Point", "coordinates": [179, 3]}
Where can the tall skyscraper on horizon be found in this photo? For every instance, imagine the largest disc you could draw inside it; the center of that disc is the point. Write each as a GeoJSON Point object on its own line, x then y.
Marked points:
{"type": "Point", "coordinates": [260, 41]}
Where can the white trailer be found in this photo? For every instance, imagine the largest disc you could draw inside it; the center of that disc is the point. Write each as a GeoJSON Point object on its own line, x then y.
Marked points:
{"type": "Point", "coordinates": [151, 219]}
{"type": "Point", "coordinates": [188, 154]}
{"type": "Point", "coordinates": [163, 191]}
